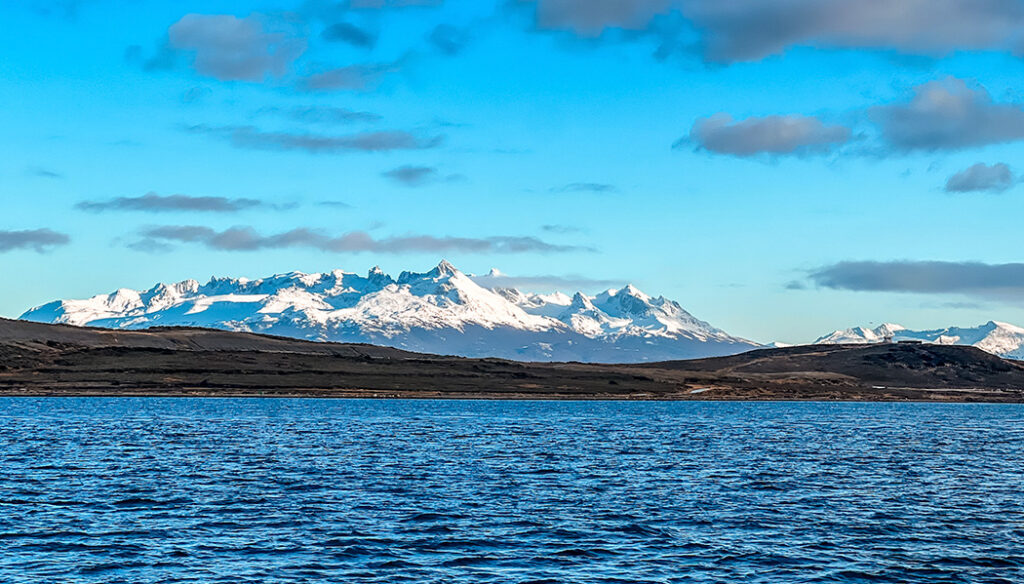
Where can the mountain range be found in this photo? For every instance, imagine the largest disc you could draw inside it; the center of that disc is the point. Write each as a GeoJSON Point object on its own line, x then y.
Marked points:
{"type": "Point", "coordinates": [440, 311]}
{"type": "Point", "coordinates": [446, 311]}
{"type": "Point", "coordinates": [998, 338]}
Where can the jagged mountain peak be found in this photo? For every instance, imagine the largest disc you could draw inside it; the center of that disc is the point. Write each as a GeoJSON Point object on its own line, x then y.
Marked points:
{"type": "Point", "coordinates": [999, 338]}
{"type": "Point", "coordinates": [442, 310]}
{"type": "Point", "coordinates": [442, 270]}
{"type": "Point", "coordinates": [445, 267]}
{"type": "Point", "coordinates": [581, 302]}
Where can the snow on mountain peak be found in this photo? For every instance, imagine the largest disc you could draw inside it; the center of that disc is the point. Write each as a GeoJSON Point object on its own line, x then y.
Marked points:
{"type": "Point", "coordinates": [999, 338]}
{"type": "Point", "coordinates": [444, 267]}
{"type": "Point", "coordinates": [442, 310]}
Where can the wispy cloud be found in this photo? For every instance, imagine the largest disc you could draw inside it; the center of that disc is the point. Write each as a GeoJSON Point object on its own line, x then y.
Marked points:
{"type": "Point", "coordinates": [770, 135]}
{"type": "Point", "coordinates": [41, 172]}
{"type": "Point", "coordinates": [335, 204]}
{"type": "Point", "coordinates": [39, 240]}
{"type": "Point", "coordinates": [546, 283]}
{"type": "Point", "coordinates": [349, 78]}
{"type": "Point", "coordinates": [562, 229]}
{"type": "Point", "coordinates": [154, 203]}
{"type": "Point", "coordinates": [248, 239]}
{"type": "Point", "coordinates": [586, 187]}
{"type": "Point", "coordinates": [320, 114]}
{"type": "Point", "coordinates": [251, 137]}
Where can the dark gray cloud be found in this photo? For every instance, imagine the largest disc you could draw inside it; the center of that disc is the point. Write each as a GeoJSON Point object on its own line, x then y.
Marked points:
{"type": "Point", "coordinates": [773, 135]}
{"type": "Point", "coordinates": [981, 177]}
{"type": "Point", "coordinates": [154, 203]}
{"type": "Point", "coordinates": [448, 39]}
{"type": "Point", "coordinates": [322, 114]}
{"type": "Point", "coordinates": [250, 137]}
{"type": "Point", "coordinates": [235, 49]}
{"type": "Point", "coordinates": [248, 239]}
{"type": "Point", "coordinates": [924, 277]}
{"type": "Point", "coordinates": [750, 30]}
{"type": "Point", "coordinates": [344, 32]}
{"type": "Point", "coordinates": [412, 176]}
{"type": "Point", "coordinates": [40, 240]}
{"type": "Point", "coordinates": [949, 115]}
{"type": "Point", "coordinates": [351, 78]}
{"type": "Point", "coordinates": [586, 187]}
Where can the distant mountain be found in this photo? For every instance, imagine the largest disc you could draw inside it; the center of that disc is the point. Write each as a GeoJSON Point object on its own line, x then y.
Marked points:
{"type": "Point", "coordinates": [998, 338]}
{"type": "Point", "coordinates": [440, 311]}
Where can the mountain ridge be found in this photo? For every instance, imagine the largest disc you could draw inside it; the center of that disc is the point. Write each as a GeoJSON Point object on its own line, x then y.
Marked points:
{"type": "Point", "coordinates": [999, 338]}
{"type": "Point", "coordinates": [441, 310]}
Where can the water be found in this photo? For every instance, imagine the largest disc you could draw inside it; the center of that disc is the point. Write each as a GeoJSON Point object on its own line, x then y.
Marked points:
{"type": "Point", "coordinates": [210, 490]}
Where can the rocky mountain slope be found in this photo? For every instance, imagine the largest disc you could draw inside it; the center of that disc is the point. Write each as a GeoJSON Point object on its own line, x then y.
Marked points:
{"type": "Point", "coordinates": [439, 311]}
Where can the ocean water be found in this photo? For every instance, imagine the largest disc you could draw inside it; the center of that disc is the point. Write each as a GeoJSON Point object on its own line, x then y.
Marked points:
{"type": "Point", "coordinates": [252, 490]}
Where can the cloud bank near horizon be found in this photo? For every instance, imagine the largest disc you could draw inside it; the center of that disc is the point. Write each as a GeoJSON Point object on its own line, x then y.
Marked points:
{"type": "Point", "coordinates": [1004, 281]}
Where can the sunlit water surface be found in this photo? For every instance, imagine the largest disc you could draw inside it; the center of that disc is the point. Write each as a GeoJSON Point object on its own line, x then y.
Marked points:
{"type": "Point", "coordinates": [251, 490]}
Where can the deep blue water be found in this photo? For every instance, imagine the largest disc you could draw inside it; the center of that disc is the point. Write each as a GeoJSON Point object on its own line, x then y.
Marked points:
{"type": "Point", "coordinates": [251, 490]}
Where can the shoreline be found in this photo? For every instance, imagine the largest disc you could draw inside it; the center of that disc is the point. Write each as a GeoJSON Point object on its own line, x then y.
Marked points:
{"type": "Point", "coordinates": [968, 396]}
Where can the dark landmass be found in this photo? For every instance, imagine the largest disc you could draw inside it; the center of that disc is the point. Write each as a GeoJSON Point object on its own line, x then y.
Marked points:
{"type": "Point", "coordinates": [42, 359]}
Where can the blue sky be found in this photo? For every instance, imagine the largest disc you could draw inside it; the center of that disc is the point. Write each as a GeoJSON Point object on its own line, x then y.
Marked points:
{"type": "Point", "coordinates": [781, 169]}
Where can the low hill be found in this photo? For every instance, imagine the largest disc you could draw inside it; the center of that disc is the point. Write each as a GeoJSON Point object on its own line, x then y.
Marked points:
{"type": "Point", "coordinates": [44, 359]}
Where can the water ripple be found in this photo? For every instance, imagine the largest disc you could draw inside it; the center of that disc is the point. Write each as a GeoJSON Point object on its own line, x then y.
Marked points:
{"type": "Point", "coordinates": [211, 491]}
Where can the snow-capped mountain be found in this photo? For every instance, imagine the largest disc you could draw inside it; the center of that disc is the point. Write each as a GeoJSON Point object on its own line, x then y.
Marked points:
{"type": "Point", "coordinates": [999, 338]}
{"type": "Point", "coordinates": [439, 311]}
{"type": "Point", "coordinates": [861, 335]}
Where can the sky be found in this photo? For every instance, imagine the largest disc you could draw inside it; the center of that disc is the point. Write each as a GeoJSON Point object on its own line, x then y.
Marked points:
{"type": "Point", "coordinates": [780, 168]}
